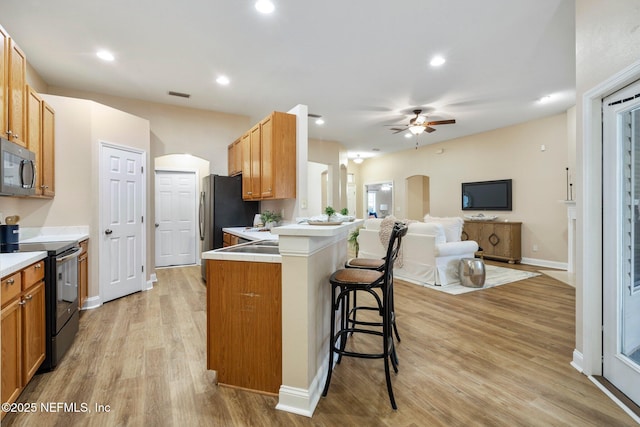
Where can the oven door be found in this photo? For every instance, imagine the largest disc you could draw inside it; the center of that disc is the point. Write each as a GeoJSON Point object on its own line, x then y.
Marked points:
{"type": "Point", "coordinates": [66, 286]}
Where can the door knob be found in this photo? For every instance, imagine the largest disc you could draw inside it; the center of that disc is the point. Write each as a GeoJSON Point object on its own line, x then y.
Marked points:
{"type": "Point", "coordinates": [108, 231]}
{"type": "Point", "coordinates": [157, 225]}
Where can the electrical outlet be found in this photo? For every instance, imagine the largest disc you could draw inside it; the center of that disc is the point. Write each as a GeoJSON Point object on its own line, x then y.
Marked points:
{"type": "Point", "coordinates": [535, 248]}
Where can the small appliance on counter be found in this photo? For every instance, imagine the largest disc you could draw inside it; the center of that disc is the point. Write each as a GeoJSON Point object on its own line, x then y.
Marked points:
{"type": "Point", "coordinates": [9, 235]}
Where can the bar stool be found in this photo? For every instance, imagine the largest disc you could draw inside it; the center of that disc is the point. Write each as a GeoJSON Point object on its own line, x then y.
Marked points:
{"type": "Point", "coordinates": [376, 264]}
{"type": "Point", "coordinates": [350, 280]}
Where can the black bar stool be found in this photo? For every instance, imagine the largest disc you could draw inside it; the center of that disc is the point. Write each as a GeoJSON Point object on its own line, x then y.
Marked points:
{"type": "Point", "coordinates": [376, 264]}
{"type": "Point", "coordinates": [350, 280]}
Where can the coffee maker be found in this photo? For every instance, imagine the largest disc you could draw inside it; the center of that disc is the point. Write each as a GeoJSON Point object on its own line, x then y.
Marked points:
{"type": "Point", "coordinates": [9, 238]}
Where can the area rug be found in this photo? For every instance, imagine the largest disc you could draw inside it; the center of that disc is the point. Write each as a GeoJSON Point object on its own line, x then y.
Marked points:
{"type": "Point", "coordinates": [495, 276]}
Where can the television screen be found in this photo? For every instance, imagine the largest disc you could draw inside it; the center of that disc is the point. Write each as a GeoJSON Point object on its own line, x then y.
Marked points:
{"type": "Point", "coordinates": [487, 195]}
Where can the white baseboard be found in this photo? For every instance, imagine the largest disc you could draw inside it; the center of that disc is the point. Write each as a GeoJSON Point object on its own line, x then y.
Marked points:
{"type": "Point", "coordinates": [545, 263]}
{"type": "Point", "coordinates": [303, 401]}
{"type": "Point", "coordinates": [152, 279]}
{"type": "Point", "coordinates": [91, 303]}
{"type": "Point", "coordinates": [578, 361]}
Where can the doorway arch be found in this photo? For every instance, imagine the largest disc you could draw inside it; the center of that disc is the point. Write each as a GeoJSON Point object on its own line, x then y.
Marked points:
{"type": "Point", "coordinates": [418, 197]}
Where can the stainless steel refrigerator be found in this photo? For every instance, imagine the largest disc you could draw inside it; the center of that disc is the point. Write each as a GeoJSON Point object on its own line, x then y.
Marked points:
{"type": "Point", "coordinates": [221, 206]}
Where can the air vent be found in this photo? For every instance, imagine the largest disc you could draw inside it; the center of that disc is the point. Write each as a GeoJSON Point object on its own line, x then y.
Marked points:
{"type": "Point", "coordinates": [180, 94]}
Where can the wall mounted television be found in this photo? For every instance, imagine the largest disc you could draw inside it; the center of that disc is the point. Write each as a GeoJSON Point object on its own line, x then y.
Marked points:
{"type": "Point", "coordinates": [486, 195]}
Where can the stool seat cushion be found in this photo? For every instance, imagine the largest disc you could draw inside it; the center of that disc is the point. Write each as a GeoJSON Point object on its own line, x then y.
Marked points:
{"type": "Point", "coordinates": [372, 263]}
{"type": "Point", "coordinates": [354, 276]}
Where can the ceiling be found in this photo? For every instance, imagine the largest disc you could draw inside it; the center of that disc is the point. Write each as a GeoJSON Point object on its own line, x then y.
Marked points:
{"type": "Point", "coordinates": [361, 64]}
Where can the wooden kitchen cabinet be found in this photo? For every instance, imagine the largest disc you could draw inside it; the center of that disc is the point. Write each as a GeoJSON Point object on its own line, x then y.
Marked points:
{"type": "Point", "coordinates": [47, 151]}
{"type": "Point", "coordinates": [498, 240]}
{"type": "Point", "coordinates": [234, 157]}
{"type": "Point", "coordinates": [23, 329]}
{"type": "Point", "coordinates": [40, 140]}
{"type": "Point", "coordinates": [83, 274]}
{"type": "Point", "coordinates": [269, 159]}
{"type": "Point", "coordinates": [13, 73]}
{"type": "Point", "coordinates": [229, 239]}
{"type": "Point", "coordinates": [244, 324]}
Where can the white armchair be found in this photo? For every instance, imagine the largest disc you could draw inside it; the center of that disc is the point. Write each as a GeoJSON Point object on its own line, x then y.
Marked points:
{"type": "Point", "coordinates": [426, 258]}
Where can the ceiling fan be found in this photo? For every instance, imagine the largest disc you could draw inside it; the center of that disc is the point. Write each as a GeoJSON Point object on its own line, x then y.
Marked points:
{"type": "Point", "coordinates": [419, 124]}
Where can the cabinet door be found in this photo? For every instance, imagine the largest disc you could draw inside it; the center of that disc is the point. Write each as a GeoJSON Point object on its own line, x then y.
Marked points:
{"type": "Point", "coordinates": [230, 161]}
{"type": "Point", "coordinates": [245, 144]}
{"type": "Point", "coordinates": [266, 159]}
{"type": "Point", "coordinates": [47, 165]}
{"type": "Point", "coordinates": [4, 68]}
{"type": "Point", "coordinates": [33, 327]}
{"type": "Point", "coordinates": [34, 132]}
{"type": "Point", "coordinates": [244, 324]}
{"type": "Point", "coordinates": [83, 274]}
{"type": "Point", "coordinates": [17, 94]}
{"type": "Point", "coordinates": [256, 153]}
{"type": "Point", "coordinates": [237, 156]}
{"type": "Point", "coordinates": [11, 351]}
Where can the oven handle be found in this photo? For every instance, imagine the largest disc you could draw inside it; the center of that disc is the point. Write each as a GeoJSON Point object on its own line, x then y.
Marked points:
{"type": "Point", "coordinates": [74, 254]}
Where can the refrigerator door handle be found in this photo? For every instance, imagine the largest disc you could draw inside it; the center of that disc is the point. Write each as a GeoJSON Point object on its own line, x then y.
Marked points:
{"type": "Point", "coordinates": [201, 216]}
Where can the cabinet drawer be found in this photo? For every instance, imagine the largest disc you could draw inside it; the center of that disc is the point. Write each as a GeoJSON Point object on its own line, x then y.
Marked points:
{"type": "Point", "coordinates": [11, 287]}
{"type": "Point", "coordinates": [32, 274]}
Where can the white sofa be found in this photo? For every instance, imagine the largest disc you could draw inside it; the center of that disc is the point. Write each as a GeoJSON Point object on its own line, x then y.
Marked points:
{"type": "Point", "coordinates": [431, 251]}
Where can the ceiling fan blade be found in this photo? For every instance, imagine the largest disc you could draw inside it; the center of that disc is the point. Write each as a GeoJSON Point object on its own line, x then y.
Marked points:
{"type": "Point", "coordinates": [396, 125]}
{"type": "Point", "coordinates": [398, 130]}
{"type": "Point", "coordinates": [441, 122]}
{"type": "Point", "coordinates": [429, 129]}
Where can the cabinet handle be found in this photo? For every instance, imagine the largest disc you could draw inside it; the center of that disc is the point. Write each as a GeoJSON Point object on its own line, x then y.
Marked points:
{"type": "Point", "coordinates": [37, 265]}
{"type": "Point", "coordinates": [10, 281]}
{"type": "Point", "coordinates": [28, 297]}
{"type": "Point", "coordinates": [23, 302]}
{"type": "Point", "coordinates": [249, 192]}
{"type": "Point", "coordinates": [9, 133]}
{"type": "Point", "coordinates": [44, 187]}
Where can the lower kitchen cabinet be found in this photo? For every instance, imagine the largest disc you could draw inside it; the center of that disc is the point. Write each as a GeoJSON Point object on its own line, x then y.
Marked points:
{"type": "Point", "coordinates": [83, 273]}
{"type": "Point", "coordinates": [244, 324]}
{"type": "Point", "coordinates": [23, 329]}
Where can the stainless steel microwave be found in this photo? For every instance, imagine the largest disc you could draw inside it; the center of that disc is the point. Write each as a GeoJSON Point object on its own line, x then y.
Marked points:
{"type": "Point", "coordinates": [17, 170]}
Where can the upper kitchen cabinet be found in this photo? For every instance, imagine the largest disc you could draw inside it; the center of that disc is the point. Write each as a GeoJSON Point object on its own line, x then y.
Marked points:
{"type": "Point", "coordinates": [47, 151]}
{"type": "Point", "coordinates": [40, 140]}
{"type": "Point", "coordinates": [269, 159]}
{"type": "Point", "coordinates": [12, 90]}
{"type": "Point", "coordinates": [234, 157]}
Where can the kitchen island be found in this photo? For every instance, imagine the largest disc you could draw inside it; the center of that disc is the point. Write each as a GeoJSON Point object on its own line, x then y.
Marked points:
{"type": "Point", "coordinates": [308, 254]}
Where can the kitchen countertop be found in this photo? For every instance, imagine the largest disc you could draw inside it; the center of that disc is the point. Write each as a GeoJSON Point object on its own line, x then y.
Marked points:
{"type": "Point", "coordinates": [250, 233]}
{"type": "Point", "coordinates": [220, 254]}
{"type": "Point", "coordinates": [10, 263]}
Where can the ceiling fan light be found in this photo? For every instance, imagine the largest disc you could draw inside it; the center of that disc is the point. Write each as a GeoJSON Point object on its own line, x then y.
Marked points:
{"type": "Point", "coordinates": [265, 6]}
{"type": "Point", "coordinates": [416, 130]}
{"type": "Point", "coordinates": [358, 160]}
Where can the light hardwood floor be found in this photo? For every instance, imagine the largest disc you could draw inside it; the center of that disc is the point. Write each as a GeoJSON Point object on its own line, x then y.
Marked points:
{"type": "Point", "coordinates": [494, 357]}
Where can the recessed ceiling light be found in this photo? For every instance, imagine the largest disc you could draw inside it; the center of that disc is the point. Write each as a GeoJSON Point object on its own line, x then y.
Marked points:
{"type": "Point", "coordinates": [265, 6]}
{"type": "Point", "coordinates": [223, 80]}
{"type": "Point", "coordinates": [545, 99]}
{"type": "Point", "coordinates": [105, 55]}
{"type": "Point", "coordinates": [436, 61]}
{"type": "Point", "coordinates": [319, 121]}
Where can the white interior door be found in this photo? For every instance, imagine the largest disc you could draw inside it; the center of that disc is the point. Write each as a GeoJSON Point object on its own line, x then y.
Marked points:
{"type": "Point", "coordinates": [621, 240]}
{"type": "Point", "coordinates": [175, 218]}
{"type": "Point", "coordinates": [122, 254]}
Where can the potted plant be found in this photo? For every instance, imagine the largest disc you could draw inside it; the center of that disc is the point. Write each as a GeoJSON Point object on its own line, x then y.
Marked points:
{"type": "Point", "coordinates": [330, 212]}
{"type": "Point", "coordinates": [344, 211]}
{"type": "Point", "coordinates": [270, 219]}
{"type": "Point", "coordinates": [353, 240]}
